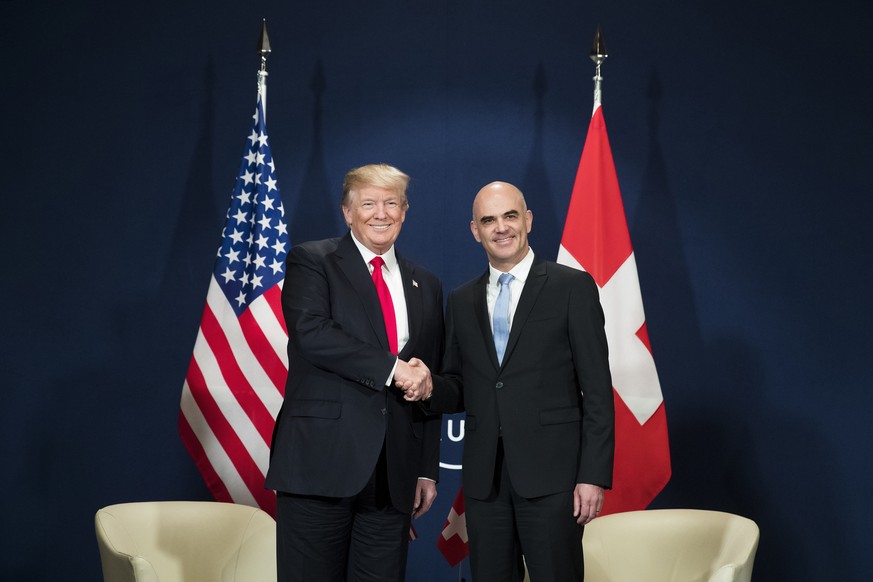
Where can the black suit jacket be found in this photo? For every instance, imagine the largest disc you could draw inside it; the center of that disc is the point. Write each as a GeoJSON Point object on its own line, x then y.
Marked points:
{"type": "Point", "coordinates": [553, 437]}
{"type": "Point", "coordinates": [337, 412]}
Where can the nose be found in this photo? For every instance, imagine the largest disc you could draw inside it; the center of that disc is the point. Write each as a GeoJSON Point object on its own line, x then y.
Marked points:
{"type": "Point", "coordinates": [379, 210]}
{"type": "Point", "coordinates": [382, 210]}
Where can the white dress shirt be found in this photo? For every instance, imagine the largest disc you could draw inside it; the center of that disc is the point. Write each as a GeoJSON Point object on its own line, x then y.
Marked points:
{"type": "Point", "coordinates": [520, 272]}
{"type": "Point", "coordinates": [391, 274]}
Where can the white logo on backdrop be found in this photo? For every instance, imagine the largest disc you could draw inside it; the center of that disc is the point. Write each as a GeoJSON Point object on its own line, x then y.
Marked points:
{"type": "Point", "coordinates": [455, 433]}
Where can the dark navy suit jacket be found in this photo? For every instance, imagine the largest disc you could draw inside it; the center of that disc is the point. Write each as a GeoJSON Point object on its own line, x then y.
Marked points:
{"type": "Point", "coordinates": [337, 413]}
{"type": "Point", "coordinates": [551, 401]}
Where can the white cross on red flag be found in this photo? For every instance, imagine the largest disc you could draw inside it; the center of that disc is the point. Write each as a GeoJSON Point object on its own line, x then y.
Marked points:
{"type": "Point", "coordinates": [596, 240]}
{"type": "Point", "coordinates": [452, 541]}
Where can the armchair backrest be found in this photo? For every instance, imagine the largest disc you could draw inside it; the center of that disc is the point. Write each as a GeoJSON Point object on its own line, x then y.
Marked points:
{"type": "Point", "coordinates": [186, 541]}
{"type": "Point", "coordinates": [670, 545]}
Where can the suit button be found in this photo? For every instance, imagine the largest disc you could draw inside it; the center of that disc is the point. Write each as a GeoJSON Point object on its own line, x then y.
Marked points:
{"type": "Point", "coordinates": [384, 411]}
{"type": "Point", "coordinates": [499, 385]}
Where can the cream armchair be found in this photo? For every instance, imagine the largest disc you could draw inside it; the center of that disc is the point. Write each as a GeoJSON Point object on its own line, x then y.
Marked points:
{"type": "Point", "coordinates": [670, 545]}
{"type": "Point", "coordinates": [186, 541]}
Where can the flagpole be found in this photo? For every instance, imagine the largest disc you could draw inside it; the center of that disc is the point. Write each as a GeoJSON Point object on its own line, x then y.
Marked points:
{"type": "Point", "coordinates": [598, 55]}
{"type": "Point", "coordinates": [264, 51]}
{"type": "Point", "coordinates": [596, 239]}
{"type": "Point", "coordinates": [224, 419]}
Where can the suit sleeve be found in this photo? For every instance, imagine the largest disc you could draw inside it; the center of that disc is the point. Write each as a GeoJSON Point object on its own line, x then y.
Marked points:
{"type": "Point", "coordinates": [591, 359]}
{"type": "Point", "coordinates": [430, 457]}
{"type": "Point", "coordinates": [448, 386]}
{"type": "Point", "coordinates": [319, 338]}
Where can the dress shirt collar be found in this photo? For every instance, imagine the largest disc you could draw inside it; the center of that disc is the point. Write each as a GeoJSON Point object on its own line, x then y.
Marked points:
{"type": "Point", "coordinates": [389, 257]}
{"type": "Point", "coordinates": [520, 271]}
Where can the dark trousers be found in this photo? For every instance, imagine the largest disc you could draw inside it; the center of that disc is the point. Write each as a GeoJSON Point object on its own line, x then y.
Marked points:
{"type": "Point", "coordinates": [506, 526]}
{"type": "Point", "coordinates": [356, 539]}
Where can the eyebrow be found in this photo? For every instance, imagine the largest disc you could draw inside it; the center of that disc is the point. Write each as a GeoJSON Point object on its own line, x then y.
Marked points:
{"type": "Point", "coordinates": [373, 199]}
{"type": "Point", "coordinates": [507, 214]}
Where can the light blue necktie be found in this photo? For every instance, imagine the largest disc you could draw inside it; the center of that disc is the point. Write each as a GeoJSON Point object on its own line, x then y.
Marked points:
{"type": "Point", "coordinates": [501, 315]}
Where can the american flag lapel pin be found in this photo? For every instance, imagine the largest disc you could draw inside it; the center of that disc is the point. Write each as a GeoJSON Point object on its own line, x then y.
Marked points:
{"type": "Point", "coordinates": [414, 283]}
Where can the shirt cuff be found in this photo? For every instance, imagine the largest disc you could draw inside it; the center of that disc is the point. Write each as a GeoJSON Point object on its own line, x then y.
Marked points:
{"type": "Point", "coordinates": [390, 380]}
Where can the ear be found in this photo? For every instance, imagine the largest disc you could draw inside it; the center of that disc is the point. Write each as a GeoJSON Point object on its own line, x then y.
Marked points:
{"type": "Point", "coordinates": [529, 220]}
{"type": "Point", "coordinates": [347, 214]}
{"type": "Point", "coordinates": [475, 230]}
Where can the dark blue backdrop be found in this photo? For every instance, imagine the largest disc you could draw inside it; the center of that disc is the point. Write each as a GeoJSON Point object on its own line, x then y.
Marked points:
{"type": "Point", "coordinates": [742, 139]}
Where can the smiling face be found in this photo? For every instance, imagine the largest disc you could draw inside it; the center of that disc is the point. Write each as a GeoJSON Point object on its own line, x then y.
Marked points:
{"type": "Point", "coordinates": [501, 223]}
{"type": "Point", "coordinates": [375, 216]}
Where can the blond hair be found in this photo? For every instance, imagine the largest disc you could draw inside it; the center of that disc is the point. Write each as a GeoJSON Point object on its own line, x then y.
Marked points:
{"type": "Point", "coordinates": [379, 175]}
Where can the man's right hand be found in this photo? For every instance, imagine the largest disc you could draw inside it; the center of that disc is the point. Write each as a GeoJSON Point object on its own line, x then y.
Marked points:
{"type": "Point", "coordinates": [414, 379]}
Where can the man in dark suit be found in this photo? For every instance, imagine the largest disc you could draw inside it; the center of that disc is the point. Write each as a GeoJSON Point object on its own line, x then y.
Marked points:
{"type": "Point", "coordinates": [351, 461]}
{"type": "Point", "coordinates": [526, 357]}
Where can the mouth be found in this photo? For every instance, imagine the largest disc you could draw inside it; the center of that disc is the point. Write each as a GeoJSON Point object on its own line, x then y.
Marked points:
{"type": "Point", "coordinates": [380, 227]}
{"type": "Point", "coordinates": [503, 240]}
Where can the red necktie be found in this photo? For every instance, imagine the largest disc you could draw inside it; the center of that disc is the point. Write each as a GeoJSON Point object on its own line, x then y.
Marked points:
{"type": "Point", "coordinates": [387, 304]}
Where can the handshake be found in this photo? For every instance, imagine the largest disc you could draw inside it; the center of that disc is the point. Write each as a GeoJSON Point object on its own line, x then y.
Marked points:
{"type": "Point", "coordinates": [414, 379]}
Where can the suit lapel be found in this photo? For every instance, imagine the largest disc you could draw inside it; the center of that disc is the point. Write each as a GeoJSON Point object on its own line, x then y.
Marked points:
{"type": "Point", "coordinates": [351, 263]}
{"type": "Point", "coordinates": [534, 284]}
{"type": "Point", "coordinates": [480, 310]}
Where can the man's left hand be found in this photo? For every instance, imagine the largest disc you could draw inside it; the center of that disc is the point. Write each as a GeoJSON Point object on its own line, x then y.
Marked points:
{"type": "Point", "coordinates": [587, 502]}
{"type": "Point", "coordinates": [425, 493]}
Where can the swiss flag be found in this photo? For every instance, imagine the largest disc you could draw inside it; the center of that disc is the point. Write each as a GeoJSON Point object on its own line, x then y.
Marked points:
{"type": "Point", "coordinates": [596, 240]}
{"type": "Point", "coordinates": [453, 539]}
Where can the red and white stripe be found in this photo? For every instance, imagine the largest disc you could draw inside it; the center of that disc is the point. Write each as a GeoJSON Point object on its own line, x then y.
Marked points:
{"type": "Point", "coordinates": [232, 394]}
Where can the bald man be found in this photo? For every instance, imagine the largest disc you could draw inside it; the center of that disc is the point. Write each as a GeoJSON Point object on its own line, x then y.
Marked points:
{"type": "Point", "coordinates": [526, 357]}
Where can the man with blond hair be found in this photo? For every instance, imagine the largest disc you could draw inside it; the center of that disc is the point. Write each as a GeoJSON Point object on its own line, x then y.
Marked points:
{"type": "Point", "coordinates": [352, 461]}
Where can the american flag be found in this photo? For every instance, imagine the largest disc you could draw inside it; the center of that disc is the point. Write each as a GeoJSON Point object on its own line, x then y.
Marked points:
{"type": "Point", "coordinates": [236, 378]}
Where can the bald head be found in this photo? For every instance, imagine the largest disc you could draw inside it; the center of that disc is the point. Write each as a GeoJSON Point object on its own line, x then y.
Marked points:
{"type": "Point", "coordinates": [501, 223]}
{"type": "Point", "coordinates": [501, 189]}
